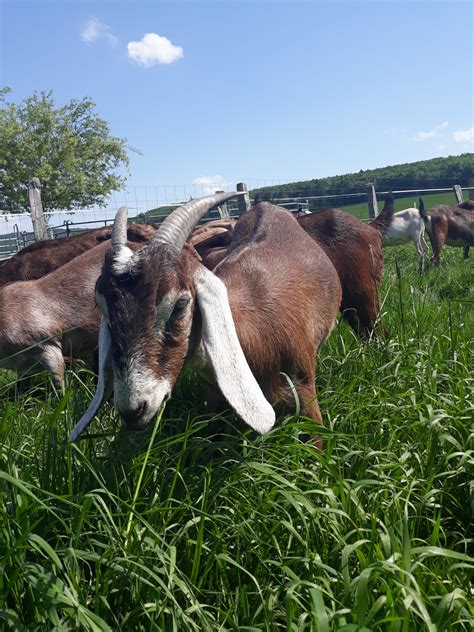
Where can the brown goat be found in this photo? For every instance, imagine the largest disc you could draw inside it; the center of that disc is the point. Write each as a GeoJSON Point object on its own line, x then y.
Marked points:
{"type": "Point", "coordinates": [43, 257]}
{"type": "Point", "coordinates": [468, 205]}
{"type": "Point", "coordinates": [450, 225]}
{"type": "Point", "coordinates": [356, 252]}
{"type": "Point", "coordinates": [263, 312]}
{"type": "Point", "coordinates": [44, 320]}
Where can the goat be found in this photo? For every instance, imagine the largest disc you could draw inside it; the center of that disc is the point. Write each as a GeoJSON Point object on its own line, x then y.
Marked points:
{"type": "Point", "coordinates": [468, 205]}
{"type": "Point", "coordinates": [263, 311]}
{"type": "Point", "coordinates": [449, 225]}
{"type": "Point", "coordinates": [356, 252]}
{"type": "Point", "coordinates": [404, 226]}
{"type": "Point", "coordinates": [44, 320]}
{"type": "Point", "coordinates": [43, 257]}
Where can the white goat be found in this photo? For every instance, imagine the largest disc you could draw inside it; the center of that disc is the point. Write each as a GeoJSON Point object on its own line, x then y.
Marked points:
{"type": "Point", "coordinates": [407, 225]}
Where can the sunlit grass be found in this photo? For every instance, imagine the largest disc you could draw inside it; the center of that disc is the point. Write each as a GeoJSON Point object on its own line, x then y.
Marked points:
{"type": "Point", "coordinates": [186, 531]}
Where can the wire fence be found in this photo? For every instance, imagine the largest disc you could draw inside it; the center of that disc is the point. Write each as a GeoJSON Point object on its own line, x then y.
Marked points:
{"type": "Point", "coordinates": [153, 203]}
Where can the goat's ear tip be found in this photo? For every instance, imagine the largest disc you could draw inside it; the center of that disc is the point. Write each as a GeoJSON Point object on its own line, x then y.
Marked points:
{"type": "Point", "coordinates": [266, 422]}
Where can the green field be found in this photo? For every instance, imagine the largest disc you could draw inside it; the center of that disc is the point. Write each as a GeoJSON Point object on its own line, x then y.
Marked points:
{"type": "Point", "coordinates": [181, 531]}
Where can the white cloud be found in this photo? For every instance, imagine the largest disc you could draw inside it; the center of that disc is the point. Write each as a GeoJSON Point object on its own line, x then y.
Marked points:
{"type": "Point", "coordinates": [154, 49]}
{"type": "Point", "coordinates": [464, 136]}
{"type": "Point", "coordinates": [420, 136]}
{"type": "Point", "coordinates": [210, 184]}
{"type": "Point", "coordinates": [96, 30]}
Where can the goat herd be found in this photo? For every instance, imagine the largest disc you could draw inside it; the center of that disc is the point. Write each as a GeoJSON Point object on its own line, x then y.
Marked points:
{"type": "Point", "coordinates": [242, 302]}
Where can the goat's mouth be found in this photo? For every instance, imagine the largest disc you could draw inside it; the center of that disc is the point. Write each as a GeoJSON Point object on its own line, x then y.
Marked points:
{"type": "Point", "coordinates": [138, 418]}
{"type": "Point", "coordinates": [141, 417]}
{"type": "Point", "coordinates": [139, 405]}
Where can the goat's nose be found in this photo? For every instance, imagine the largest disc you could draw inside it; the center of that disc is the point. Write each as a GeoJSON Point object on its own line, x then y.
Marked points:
{"type": "Point", "coordinates": [130, 416]}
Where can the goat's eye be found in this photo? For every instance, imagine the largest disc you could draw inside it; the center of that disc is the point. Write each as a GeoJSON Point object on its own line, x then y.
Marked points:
{"type": "Point", "coordinates": [179, 308]}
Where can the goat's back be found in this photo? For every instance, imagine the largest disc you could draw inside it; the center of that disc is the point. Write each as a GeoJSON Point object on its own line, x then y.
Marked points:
{"type": "Point", "coordinates": [468, 205]}
{"type": "Point", "coordinates": [43, 257]}
{"type": "Point", "coordinates": [456, 223]}
{"type": "Point", "coordinates": [283, 290]}
{"type": "Point", "coordinates": [353, 246]}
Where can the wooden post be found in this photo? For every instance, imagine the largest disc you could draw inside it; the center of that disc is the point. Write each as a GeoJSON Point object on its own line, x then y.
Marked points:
{"type": "Point", "coordinates": [471, 194]}
{"type": "Point", "coordinates": [243, 200]}
{"type": "Point", "coordinates": [458, 194]}
{"type": "Point", "coordinates": [223, 210]}
{"type": "Point", "coordinates": [36, 209]}
{"type": "Point", "coordinates": [372, 201]}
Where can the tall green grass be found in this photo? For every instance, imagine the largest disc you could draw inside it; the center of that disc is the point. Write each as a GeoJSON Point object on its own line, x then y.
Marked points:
{"type": "Point", "coordinates": [180, 530]}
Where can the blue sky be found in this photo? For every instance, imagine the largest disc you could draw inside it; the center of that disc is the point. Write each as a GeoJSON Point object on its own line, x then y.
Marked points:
{"type": "Point", "coordinates": [255, 90]}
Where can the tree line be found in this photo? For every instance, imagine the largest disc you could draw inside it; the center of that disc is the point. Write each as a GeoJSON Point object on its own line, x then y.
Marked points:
{"type": "Point", "coordinates": [424, 174]}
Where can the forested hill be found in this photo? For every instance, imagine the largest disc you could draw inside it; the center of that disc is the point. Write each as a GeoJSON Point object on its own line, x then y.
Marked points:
{"type": "Point", "coordinates": [424, 174]}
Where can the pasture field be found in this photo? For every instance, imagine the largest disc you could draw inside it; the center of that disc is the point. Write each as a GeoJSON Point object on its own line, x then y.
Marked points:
{"type": "Point", "coordinates": [178, 530]}
{"type": "Point", "coordinates": [361, 211]}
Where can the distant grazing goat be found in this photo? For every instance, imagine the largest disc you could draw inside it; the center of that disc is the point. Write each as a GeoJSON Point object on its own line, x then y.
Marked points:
{"type": "Point", "coordinates": [405, 226]}
{"type": "Point", "coordinates": [43, 257]}
{"type": "Point", "coordinates": [263, 312]}
{"type": "Point", "coordinates": [468, 205]}
{"type": "Point", "coordinates": [449, 225]}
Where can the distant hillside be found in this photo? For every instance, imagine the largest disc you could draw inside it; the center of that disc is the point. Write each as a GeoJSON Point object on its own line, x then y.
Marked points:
{"type": "Point", "coordinates": [424, 174]}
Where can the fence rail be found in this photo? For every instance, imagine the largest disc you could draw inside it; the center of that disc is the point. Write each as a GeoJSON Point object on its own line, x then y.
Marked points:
{"type": "Point", "coordinates": [16, 230]}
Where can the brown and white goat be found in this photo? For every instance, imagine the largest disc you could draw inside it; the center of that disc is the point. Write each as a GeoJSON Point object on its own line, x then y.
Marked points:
{"type": "Point", "coordinates": [450, 225]}
{"type": "Point", "coordinates": [264, 311]}
{"type": "Point", "coordinates": [45, 320]}
{"type": "Point", "coordinates": [43, 257]}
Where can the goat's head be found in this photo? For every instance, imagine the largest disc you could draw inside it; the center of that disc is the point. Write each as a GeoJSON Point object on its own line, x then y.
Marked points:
{"type": "Point", "coordinates": [158, 304]}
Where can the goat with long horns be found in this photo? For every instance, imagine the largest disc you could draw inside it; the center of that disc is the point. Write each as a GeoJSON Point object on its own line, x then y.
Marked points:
{"type": "Point", "coordinates": [262, 312]}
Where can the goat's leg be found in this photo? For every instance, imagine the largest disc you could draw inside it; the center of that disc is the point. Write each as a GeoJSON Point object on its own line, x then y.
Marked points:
{"type": "Point", "coordinates": [423, 244]}
{"type": "Point", "coordinates": [466, 252]}
{"type": "Point", "coordinates": [420, 252]}
{"type": "Point", "coordinates": [421, 266]}
{"type": "Point", "coordinates": [351, 317]}
{"type": "Point", "coordinates": [51, 357]}
{"type": "Point", "coordinates": [438, 238]}
{"type": "Point", "coordinates": [309, 407]}
{"type": "Point", "coordinates": [303, 382]}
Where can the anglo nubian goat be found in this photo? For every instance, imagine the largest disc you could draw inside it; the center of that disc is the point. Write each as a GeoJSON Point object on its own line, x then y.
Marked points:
{"type": "Point", "coordinates": [264, 311]}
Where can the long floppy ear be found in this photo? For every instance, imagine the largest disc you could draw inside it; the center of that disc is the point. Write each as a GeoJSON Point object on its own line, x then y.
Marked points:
{"type": "Point", "coordinates": [104, 384]}
{"type": "Point", "coordinates": [222, 346]}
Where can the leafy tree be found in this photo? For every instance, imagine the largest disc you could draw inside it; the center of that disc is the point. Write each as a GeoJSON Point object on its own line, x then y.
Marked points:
{"type": "Point", "coordinates": [69, 148]}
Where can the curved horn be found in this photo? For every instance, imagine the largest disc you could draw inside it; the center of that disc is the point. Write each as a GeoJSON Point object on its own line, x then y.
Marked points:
{"type": "Point", "coordinates": [177, 227]}
{"type": "Point", "coordinates": [119, 231]}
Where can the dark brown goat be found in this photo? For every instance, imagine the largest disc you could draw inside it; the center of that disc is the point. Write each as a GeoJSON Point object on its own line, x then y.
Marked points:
{"type": "Point", "coordinates": [449, 225]}
{"type": "Point", "coordinates": [355, 249]}
{"type": "Point", "coordinates": [468, 205]}
{"type": "Point", "coordinates": [43, 257]}
{"type": "Point", "coordinates": [264, 312]}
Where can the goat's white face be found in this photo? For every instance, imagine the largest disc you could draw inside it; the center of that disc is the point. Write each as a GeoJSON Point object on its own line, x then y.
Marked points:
{"type": "Point", "coordinates": [148, 309]}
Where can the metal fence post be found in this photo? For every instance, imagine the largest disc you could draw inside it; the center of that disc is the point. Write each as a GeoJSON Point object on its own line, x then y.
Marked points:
{"type": "Point", "coordinates": [36, 209]}
{"type": "Point", "coordinates": [372, 201]}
